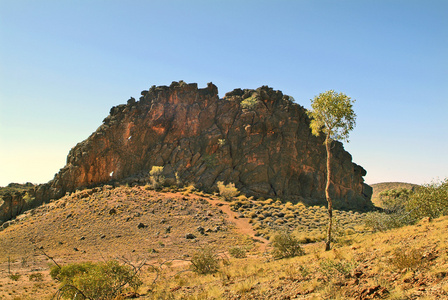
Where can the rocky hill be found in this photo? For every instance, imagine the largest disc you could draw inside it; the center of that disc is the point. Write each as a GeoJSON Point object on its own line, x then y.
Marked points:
{"type": "Point", "coordinates": [257, 139]}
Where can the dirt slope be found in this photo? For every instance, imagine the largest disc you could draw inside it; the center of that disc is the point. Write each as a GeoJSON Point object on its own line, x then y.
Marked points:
{"type": "Point", "coordinates": [107, 223]}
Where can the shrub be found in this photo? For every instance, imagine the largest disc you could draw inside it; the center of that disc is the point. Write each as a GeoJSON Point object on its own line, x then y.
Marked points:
{"type": "Point", "coordinates": [227, 191]}
{"type": "Point", "coordinates": [103, 280]}
{"type": "Point", "coordinates": [382, 221]}
{"type": "Point", "coordinates": [178, 180]}
{"type": "Point", "coordinates": [156, 177]}
{"type": "Point", "coordinates": [405, 207]}
{"type": "Point", "coordinates": [430, 200]}
{"type": "Point", "coordinates": [237, 252]}
{"type": "Point", "coordinates": [249, 103]}
{"type": "Point", "coordinates": [36, 277]}
{"type": "Point", "coordinates": [395, 200]}
{"type": "Point", "coordinates": [286, 245]}
{"type": "Point", "coordinates": [205, 261]}
{"type": "Point", "coordinates": [331, 267]}
{"type": "Point", "coordinates": [405, 257]}
{"type": "Point", "coordinates": [14, 277]}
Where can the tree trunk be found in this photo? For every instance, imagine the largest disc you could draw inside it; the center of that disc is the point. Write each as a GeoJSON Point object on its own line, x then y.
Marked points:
{"type": "Point", "coordinates": [327, 193]}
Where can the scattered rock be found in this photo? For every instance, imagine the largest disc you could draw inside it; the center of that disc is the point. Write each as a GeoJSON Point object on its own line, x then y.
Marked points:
{"type": "Point", "coordinates": [141, 225]}
{"type": "Point", "coordinates": [190, 236]}
{"type": "Point", "coordinates": [130, 295]}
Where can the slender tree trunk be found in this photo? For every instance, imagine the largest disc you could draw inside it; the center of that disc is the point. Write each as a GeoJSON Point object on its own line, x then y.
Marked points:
{"type": "Point", "coordinates": [327, 193]}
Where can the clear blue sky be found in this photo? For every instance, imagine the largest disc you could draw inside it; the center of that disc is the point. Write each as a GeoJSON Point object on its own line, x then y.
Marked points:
{"type": "Point", "coordinates": [64, 64]}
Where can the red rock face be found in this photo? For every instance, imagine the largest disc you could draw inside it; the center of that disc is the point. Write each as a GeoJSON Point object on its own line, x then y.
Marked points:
{"type": "Point", "coordinates": [265, 148]}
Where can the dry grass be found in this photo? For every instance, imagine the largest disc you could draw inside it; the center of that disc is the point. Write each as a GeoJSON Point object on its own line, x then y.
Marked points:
{"type": "Point", "coordinates": [103, 224]}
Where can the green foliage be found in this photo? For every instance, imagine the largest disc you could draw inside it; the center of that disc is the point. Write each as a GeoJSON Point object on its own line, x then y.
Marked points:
{"type": "Point", "coordinates": [429, 200]}
{"type": "Point", "coordinates": [404, 206]}
{"type": "Point", "coordinates": [333, 267]}
{"type": "Point", "coordinates": [156, 177]}
{"type": "Point", "coordinates": [14, 277]}
{"type": "Point", "coordinates": [395, 200]}
{"type": "Point", "coordinates": [28, 199]}
{"type": "Point", "coordinates": [36, 277]}
{"type": "Point", "coordinates": [103, 280]}
{"type": "Point", "coordinates": [221, 142]}
{"type": "Point", "coordinates": [15, 187]}
{"type": "Point", "coordinates": [227, 191]}
{"type": "Point", "coordinates": [205, 261]}
{"type": "Point", "coordinates": [285, 245]}
{"type": "Point", "coordinates": [333, 115]}
{"type": "Point", "coordinates": [380, 221]}
{"type": "Point", "coordinates": [249, 103]}
{"type": "Point", "coordinates": [237, 252]}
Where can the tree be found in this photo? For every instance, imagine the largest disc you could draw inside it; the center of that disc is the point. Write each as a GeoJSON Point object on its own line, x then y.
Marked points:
{"type": "Point", "coordinates": [332, 114]}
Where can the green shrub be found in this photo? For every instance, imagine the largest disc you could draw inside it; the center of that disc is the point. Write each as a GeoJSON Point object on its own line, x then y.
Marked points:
{"type": "Point", "coordinates": [237, 252]}
{"type": "Point", "coordinates": [205, 261]}
{"type": "Point", "coordinates": [430, 200]}
{"type": "Point", "coordinates": [14, 277]}
{"type": "Point", "coordinates": [285, 245]}
{"type": "Point", "coordinates": [403, 207]}
{"type": "Point", "coordinates": [331, 268]}
{"type": "Point", "coordinates": [395, 200]}
{"type": "Point", "coordinates": [227, 191]}
{"type": "Point", "coordinates": [103, 280]}
{"type": "Point", "coordinates": [249, 103]}
{"type": "Point", "coordinates": [382, 221]}
{"type": "Point", "coordinates": [36, 277]}
{"type": "Point", "coordinates": [156, 177]}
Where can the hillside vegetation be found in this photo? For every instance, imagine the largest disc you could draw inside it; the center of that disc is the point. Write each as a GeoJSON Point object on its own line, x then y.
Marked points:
{"type": "Point", "coordinates": [15, 187]}
{"type": "Point", "coordinates": [384, 186]}
{"type": "Point", "coordinates": [186, 244]}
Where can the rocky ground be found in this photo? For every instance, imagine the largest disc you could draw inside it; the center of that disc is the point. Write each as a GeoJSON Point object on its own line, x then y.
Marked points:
{"type": "Point", "coordinates": [139, 224]}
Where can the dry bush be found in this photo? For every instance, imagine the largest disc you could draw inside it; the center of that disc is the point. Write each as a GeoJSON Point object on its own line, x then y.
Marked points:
{"type": "Point", "coordinates": [237, 252]}
{"type": "Point", "coordinates": [285, 245]}
{"type": "Point", "coordinates": [156, 177]}
{"type": "Point", "coordinates": [205, 261]}
{"type": "Point", "coordinates": [332, 268]}
{"type": "Point", "coordinates": [406, 257]}
{"type": "Point", "coordinates": [227, 191]}
{"type": "Point", "coordinates": [88, 280]}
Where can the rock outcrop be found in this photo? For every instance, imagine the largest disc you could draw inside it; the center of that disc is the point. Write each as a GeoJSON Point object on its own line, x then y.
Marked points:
{"type": "Point", "coordinates": [257, 139]}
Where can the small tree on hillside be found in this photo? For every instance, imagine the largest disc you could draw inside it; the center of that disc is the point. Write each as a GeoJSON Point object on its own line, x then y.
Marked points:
{"type": "Point", "coordinates": [333, 115]}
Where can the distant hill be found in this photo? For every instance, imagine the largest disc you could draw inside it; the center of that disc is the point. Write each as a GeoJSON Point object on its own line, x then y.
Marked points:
{"type": "Point", "coordinates": [384, 186]}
